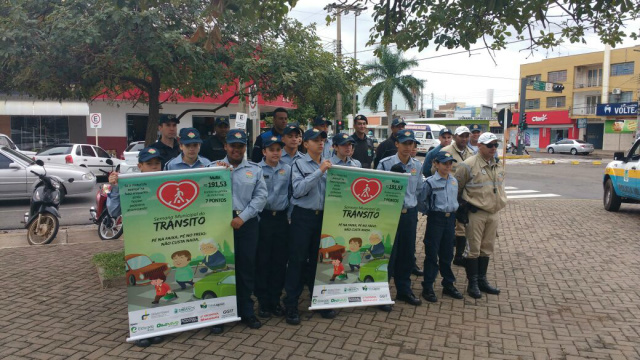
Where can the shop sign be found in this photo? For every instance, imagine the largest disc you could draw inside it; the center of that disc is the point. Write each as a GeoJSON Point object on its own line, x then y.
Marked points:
{"type": "Point", "coordinates": [618, 109]}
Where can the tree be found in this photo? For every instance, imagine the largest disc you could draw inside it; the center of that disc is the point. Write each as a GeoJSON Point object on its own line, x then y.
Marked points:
{"type": "Point", "coordinates": [389, 69]}
{"type": "Point", "coordinates": [462, 23]}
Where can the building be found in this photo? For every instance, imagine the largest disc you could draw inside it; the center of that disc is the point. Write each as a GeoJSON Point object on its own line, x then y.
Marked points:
{"type": "Point", "coordinates": [599, 102]}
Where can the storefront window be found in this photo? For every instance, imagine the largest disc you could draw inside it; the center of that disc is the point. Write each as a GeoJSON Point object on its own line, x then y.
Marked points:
{"type": "Point", "coordinates": [33, 133]}
{"type": "Point", "coordinates": [137, 126]}
{"type": "Point", "coordinates": [559, 134]}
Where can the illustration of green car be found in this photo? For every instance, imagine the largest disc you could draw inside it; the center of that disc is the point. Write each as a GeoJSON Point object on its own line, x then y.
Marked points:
{"type": "Point", "coordinates": [374, 271]}
{"type": "Point", "coordinates": [218, 284]}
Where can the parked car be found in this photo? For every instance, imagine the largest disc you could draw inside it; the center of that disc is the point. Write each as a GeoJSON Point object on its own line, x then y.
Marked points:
{"type": "Point", "coordinates": [374, 271]}
{"type": "Point", "coordinates": [6, 141]}
{"type": "Point", "coordinates": [329, 249]}
{"type": "Point", "coordinates": [570, 146]}
{"type": "Point", "coordinates": [84, 155]}
{"type": "Point", "coordinates": [130, 157]}
{"type": "Point", "coordinates": [217, 284]}
{"type": "Point", "coordinates": [17, 181]}
{"type": "Point", "coordinates": [140, 269]}
{"type": "Point", "coordinates": [622, 179]}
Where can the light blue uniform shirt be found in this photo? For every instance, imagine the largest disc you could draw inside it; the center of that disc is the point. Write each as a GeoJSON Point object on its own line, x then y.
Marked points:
{"type": "Point", "coordinates": [335, 160]}
{"type": "Point", "coordinates": [113, 202]}
{"type": "Point", "coordinates": [428, 160]}
{"type": "Point", "coordinates": [248, 189]}
{"type": "Point", "coordinates": [440, 194]}
{"type": "Point", "coordinates": [177, 164]}
{"type": "Point", "coordinates": [474, 149]}
{"type": "Point", "coordinates": [277, 180]}
{"type": "Point", "coordinates": [288, 159]}
{"type": "Point", "coordinates": [309, 183]}
{"type": "Point", "coordinates": [327, 151]}
{"type": "Point", "coordinates": [415, 184]}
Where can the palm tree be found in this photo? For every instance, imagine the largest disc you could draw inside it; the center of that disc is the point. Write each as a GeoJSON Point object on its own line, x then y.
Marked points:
{"type": "Point", "coordinates": [388, 69]}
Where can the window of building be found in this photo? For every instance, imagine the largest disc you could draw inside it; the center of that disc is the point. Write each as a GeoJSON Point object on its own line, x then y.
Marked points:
{"type": "Point", "coordinates": [594, 77]}
{"type": "Point", "coordinates": [33, 133]}
{"type": "Point", "coordinates": [625, 96]}
{"type": "Point", "coordinates": [622, 69]}
{"type": "Point", "coordinates": [592, 103]}
{"type": "Point", "coordinates": [556, 102]}
{"type": "Point", "coordinates": [205, 125]}
{"type": "Point", "coordinates": [532, 78]}
{"type": "Point", "coordinates": [532, 104]}
{"type": "Point", "coordinates": [557, 76]}
{"type": "Point", "coordinates": [137, 126]}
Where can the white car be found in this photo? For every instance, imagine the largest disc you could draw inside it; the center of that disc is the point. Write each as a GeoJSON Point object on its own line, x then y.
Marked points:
{"type": "Point", "coordinates": [89, 156]}
{"type": "Point", "coordinates": [6, 141]}
{"type": "Point", "coordinates": [130, 157]}
{"type": "Point", "coordinates": [570, 146]}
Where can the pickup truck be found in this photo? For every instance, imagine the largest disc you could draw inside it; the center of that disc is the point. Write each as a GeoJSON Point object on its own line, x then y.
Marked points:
{"type": "Point", "coordinates": [622, 179]}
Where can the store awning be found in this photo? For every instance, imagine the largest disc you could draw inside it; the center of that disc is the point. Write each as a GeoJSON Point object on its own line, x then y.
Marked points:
{"type": "Point", "coordinates": [43, 108]}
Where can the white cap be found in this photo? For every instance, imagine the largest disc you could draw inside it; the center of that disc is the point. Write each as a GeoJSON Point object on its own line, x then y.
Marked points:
{"type": "Point", "coordinates": [461, 130]}
{"type": "Point", "coordinates": [487, 138]}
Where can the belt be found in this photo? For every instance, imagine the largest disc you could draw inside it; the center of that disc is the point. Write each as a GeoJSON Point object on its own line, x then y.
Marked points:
{"type": "Point", "coordinates": [440, 213]}
{"type": "Point", "coordinates": [266, 212]}
{"type": "Point", "coordinates": [308, 211]}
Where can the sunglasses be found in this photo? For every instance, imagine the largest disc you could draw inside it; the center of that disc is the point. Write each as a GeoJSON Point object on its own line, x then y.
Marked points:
{"type": "Point", "coordinates": [492, 145]}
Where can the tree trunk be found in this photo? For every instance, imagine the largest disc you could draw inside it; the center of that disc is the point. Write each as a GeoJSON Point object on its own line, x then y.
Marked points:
{"type": "Point", "coordinates": [389, 111]}
{"type": "Point", "coordinates": [154, 109]}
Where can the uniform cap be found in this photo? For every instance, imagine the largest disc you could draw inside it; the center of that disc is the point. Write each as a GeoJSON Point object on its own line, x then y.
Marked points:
{"type": "Point", "coordinates": [292, 127]}
{"type": "Point", "coordinates": [398, 122]}
{"type": "Point", "coordinates": [168, 119]}
{"type": "Point", "coordinates": [313, 133]}
{"type": "Point", "coordinates": [320, 120]}
{"type": "Point", "coordinates": [237, 136]}
{"type": "Point", "coordinates": [445, 131]}
{"type": "Point", "coordinates": [221, 120]}
{"type": "Point", "coordinates": [342, 139]}
{"type": "Point", "coordinates": [407, 135]}
{"type": "Point", "coordinates": [147, 154]}
{"type": "Point", "coordinates": [361, 117]}
{"type": "Point", "coordinates": [273, 139]}
{"type": "Point", "coordinates": [487, 138]}
{"type": "Point", "coordinates": [444, 156]}
{"type": "Point", "coordinates": [189, 136]}
{"type": "Point", "coordinates": [474, 128]}
{"type": "Point", "coordinates": [461, 130]}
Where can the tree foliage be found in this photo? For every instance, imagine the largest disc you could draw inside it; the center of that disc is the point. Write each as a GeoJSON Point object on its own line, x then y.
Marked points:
{"type": "Point", "coordinates": [462, 23]}
{"type": "Point", "coordinates": [389, 71]}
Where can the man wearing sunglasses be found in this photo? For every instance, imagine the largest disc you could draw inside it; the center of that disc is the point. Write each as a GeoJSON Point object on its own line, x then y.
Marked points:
{"type": "Point", "coordinates": [481, 186]}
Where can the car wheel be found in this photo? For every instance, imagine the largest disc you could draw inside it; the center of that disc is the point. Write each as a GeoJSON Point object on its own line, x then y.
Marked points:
{"type": "Point", "coordinates": [574, 151]}
{"type": "Point", "coordinates": [209, 295]}
{"type": "Point", "coordinates": [368, 279]}
{"type": "Point", "coordinates": [132, 280]}
{"type": "Point", "coordinates": [550, 150]}
{"type": "Point", "coordinates": [611, 200]}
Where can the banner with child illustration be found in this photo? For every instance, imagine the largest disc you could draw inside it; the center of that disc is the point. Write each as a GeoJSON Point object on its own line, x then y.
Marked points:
{"type": "Point", "coordinates": [361, 213]}
{"type": "Point", "coordinates": [179, 252]}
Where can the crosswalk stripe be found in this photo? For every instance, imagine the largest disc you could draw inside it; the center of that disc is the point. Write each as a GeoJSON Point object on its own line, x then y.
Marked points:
{"type": "Point", "coordinates": [521, 191]}
{"type": "Point", "coordinates": [531, 196]}
{"type": "Point", "coordinates": [510, 188]}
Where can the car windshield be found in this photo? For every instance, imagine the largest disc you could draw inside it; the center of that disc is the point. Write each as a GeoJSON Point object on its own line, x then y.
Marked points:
{"type": "Point", "coordinates": [327, 242]}
{"type": "Point", "coordinates": [56, 150]}
{"type": "Point", "coordinates": [19, 155]}
{"type": "Point", "coordinates": [581, 142]}
{"type": "Point", "coordinates": [139, 262]}
{"type": "Point", "coordinates": [229, 280]}
{"type": "Point", "coordinates": [6, 141]}
{"type": "Point", "coordinates": [135, 147]}
{"type": "Point", "coordinates": [383, 267]}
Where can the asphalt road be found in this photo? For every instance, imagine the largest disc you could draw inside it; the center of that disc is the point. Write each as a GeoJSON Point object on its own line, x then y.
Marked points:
{"type": "Point", "coordinates": [582, 181]}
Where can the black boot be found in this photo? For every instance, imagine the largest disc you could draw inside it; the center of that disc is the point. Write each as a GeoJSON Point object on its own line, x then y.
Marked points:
{"type": "Point", "coordinates": [471, 266]}
{"type": "Point", "coordinates": [483, 284]}
{"type": "Point", "coordinates": [461, 244]}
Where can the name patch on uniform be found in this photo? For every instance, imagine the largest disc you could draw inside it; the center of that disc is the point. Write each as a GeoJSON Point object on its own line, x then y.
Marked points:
{"type": "Point", "coordinates": [282, 171]}
{"type": "Point", "coordinates": [414, 171]}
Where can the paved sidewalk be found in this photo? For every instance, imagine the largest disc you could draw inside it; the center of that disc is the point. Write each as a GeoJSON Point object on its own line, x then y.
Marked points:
{"type": "Point", "coordinates": [569, 273]}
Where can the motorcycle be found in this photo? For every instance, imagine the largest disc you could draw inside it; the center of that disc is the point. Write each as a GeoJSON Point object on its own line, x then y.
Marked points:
{"type": "Point", "coordinates": [109, 227]}
{"type": "Point", "coordinates": [42, 219]}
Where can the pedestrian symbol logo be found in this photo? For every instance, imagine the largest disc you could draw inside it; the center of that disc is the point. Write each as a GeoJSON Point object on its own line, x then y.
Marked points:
{"type": "Point", "coordinates": [365, 190]}
{"type": "Point", "coordinates": [178, 195]}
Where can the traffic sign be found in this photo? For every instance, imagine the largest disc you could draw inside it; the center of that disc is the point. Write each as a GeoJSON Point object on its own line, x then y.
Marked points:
{"type": "Point", "coordinates": [540, 86]}
{"type": "Point", "coordinates": [95, 120]}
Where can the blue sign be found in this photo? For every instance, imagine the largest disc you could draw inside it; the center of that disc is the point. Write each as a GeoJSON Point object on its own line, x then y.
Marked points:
{"type": "Point", "coordinates": [619, 109]}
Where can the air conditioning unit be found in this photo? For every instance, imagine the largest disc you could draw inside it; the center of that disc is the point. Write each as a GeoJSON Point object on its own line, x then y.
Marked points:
{"type": "Point", "coordinates": [616, 91]}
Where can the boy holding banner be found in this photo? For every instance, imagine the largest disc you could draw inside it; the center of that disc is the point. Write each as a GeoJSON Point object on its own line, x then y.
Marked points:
{"type": "Point", "coordinates": [249, 198]}
{"type": "Point", "coordinates": [308, 180]}
{"type": "Point", "coordinates": [343, 149]}
{"type": "Point", "coordinates": [404, 247]}
{"type": "Point", "coordinates": [274, 229]}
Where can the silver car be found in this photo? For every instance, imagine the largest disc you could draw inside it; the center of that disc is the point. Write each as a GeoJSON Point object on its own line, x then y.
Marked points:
{"type": "Point", "coordinates": [17, 181]}
{"type": "Point", "coordinates": [570, 146]}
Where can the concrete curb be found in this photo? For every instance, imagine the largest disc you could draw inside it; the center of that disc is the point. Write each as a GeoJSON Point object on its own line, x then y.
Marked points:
{"type": "Point", "coordinates": [66, 235]}
{"type": "Point", "coordinates": [516, 157]}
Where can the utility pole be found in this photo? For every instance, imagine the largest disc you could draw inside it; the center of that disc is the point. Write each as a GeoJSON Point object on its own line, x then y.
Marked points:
{"type": "Point", "coordinates": [433, 106]}
{"type": "Point", "coordinates": [342, 8]}
{"type": "Point", "coordinates": [355, 52]}
{"type": "Point", "coordinates": [523, 116]}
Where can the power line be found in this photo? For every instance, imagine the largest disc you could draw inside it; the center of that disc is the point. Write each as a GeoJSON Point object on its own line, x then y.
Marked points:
{"type": "Point", "coordinates": [470, 75]}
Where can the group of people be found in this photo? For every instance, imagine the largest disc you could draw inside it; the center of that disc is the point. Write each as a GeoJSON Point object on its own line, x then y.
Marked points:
{"type": "Point", "coordinates": [278, 202]}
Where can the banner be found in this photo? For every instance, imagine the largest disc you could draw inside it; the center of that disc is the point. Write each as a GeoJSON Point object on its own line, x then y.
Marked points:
{"type": "Point", "coordinates": [179, 251]}
{"type": "Point", "coordinates": [361, 214]}
{"type": "Point", "coordinates": [620, 126]}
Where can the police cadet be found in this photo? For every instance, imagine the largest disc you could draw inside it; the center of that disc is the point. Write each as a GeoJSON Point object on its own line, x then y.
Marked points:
{"type": "Point", "coordinates": [280, 117]}
{"type": "Point", "coordinates": [445, 138]}
{"type": "Point", "coordinates": [404, 247]}
{"type": "Point", "coordinates": [309, 182]}
{"type": "Point", "coordinates": [363, 149]}
{"type": "Point", "coordinates": [388, 147]}
{"type": "Point", "coordinates": [188, 159]}
{"type": "Point", "coordinates": [292, 138]}
{"type": "Point", "coordinates": [322, 124]}
{"type": "Point", "coordinates": [274, 230]}
{"type": "Point", "coordinates": [249, 198]}
{"type": "Point", "coordinates": [441, 201]}
{"type": "Point", "coordinates": [473, 139]}
{"type": "Point", "coordinates": [343, 150]}
{"type": "Point", "coordinates": [167, 144]}
{"type": "Point", "coordinates": [460, 151]}
{"type": "Point", "coordinates": [213, 147]}
{"type": "Point", "coordinates": [481, 191]}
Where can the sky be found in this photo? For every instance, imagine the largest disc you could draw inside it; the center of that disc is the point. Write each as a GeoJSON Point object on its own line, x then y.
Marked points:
{"type": "Point", "coordinates": [449, 77]}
